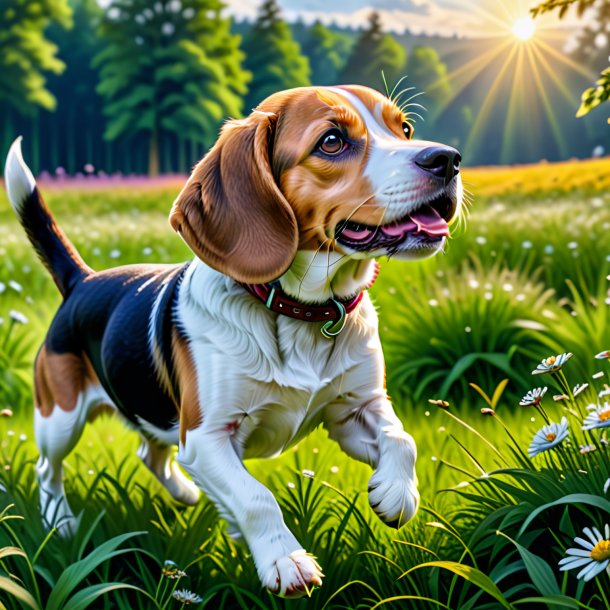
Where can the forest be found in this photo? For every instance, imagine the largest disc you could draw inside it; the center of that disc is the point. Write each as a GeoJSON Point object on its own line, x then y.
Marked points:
{"type": "Point", "coordinates": [142, 88]}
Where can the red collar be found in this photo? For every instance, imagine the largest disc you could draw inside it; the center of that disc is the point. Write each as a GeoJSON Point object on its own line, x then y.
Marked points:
{"type": "Point", "coordinates": [333, 313]}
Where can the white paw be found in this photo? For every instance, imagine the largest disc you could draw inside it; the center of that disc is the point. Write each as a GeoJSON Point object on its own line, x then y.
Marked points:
{"type": "Point", "coordinates": [181, 489]}
{"type": "Point", "coordinates": [294, 575]}
{"type": "Point", "coordinates": [394, 501]}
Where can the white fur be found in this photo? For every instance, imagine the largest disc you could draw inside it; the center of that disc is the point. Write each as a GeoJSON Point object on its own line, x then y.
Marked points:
{"type": "Point", "coordinates": [56, 435]}
{"type": "Point", "coordinates": [399, 185]}
{"type": "Point", "coordinates": [264, 382]}
{"type": "Point", "coordinates": [18, 178]}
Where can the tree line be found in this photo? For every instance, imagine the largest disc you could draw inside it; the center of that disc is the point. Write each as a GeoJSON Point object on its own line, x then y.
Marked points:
{"type": "Point", "coordinates": [143, 86]}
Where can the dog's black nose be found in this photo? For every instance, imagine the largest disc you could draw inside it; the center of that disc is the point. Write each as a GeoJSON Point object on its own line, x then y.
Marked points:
{"type": "Point", "coordinates": [440, 161]}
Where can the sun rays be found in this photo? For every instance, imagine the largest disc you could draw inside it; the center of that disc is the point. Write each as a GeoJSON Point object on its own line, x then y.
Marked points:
{"type": "Point", "coordinates": [522, 82]}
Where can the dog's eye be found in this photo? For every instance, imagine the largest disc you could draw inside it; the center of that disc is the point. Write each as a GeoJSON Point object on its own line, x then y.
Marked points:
{"type": "Point", "coordinates": [408, 130]}
{"type": "Point", "coordinates": [332, 143]}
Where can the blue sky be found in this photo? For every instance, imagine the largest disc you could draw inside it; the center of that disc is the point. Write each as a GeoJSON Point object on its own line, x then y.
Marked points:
{"type": "Point", "coordinates": [471, 18]}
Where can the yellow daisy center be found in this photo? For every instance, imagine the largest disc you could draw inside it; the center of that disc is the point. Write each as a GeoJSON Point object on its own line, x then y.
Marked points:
{"type": "Point", "coordinates": [601, 551]}
{"type": "Point", "coordinates": [550, 360]}
{"type": "Point", "coordinates": [604, 415]}
{"type": "Point", "coordinates": [551, 436]}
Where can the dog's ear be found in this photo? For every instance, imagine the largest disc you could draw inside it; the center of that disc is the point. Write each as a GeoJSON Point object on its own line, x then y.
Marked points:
{"type": "Point", "coordinates": [231, 212]}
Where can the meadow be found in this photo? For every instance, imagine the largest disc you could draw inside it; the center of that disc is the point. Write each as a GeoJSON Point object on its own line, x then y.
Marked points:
{"type": "Point", "coordinates": [524, 278]}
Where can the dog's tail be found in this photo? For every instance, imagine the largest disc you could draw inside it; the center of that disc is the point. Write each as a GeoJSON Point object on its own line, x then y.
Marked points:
{"type": "Point", "coordinates": [52, 246]}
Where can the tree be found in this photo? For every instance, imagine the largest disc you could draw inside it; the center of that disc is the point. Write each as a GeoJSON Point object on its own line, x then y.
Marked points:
{"type": "Point", "coordinates": [75, 132]}
{"type": "Point", "coordinates": [429, 75]}
{"type": "Point", "coordinates": [373, 53]}
{"type": "Point", "coordinates": [26, 54]}
{"type": "Point", "coordinates": [590, 49]}
{"type": "Point", "coordinates": [273, 56]}
{"type": "Point", "coordinates": [327, 52]}
{"type": "Point", "coordinates": [171, 67]}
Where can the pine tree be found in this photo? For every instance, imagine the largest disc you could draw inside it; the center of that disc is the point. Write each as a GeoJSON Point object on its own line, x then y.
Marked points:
{"type": "Point", "coordinates": [26, 54]}
{"type": "Point", "coordinates": [169, 67]}
{"type": "Point", "coordinates": [327, 52]}
{"type": "Point", "coordinates": [373, 53]}
{"type": "Point", "coordinates": [74, 133]}
{"type": "Point", "coordinates": [273, 57]}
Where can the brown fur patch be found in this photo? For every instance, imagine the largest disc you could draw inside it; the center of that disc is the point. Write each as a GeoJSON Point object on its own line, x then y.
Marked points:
{"type": "Point", "coordinates": [191, 413]}
{"type": "Point", "coordinates": [59, 379]}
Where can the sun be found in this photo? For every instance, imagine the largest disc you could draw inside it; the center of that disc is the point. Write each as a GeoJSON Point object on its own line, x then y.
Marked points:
{"type": "Point", "coordinates": [524, 28]}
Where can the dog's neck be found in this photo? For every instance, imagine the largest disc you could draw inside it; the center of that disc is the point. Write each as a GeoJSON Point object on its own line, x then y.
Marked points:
{"type": "Point", "coordinates": [316, 277]}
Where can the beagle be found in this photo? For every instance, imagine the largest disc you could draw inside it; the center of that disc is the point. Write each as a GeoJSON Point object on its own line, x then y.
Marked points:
{"type": "Point", "coordinates": [268, 333]}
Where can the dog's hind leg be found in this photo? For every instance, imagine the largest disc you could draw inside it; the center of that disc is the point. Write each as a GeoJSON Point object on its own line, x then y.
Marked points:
{"type": "Point", "coordinates": [65, 393]}
{"type": "Point", "coordinates": [159, 460]}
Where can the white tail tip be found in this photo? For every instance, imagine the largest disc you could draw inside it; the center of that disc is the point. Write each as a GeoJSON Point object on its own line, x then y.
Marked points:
{"type": "Point", "coordinates": [18, 178]}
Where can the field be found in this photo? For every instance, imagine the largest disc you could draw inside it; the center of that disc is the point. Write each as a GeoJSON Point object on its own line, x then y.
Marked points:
{"type": "Point", "coordinates": [524, 278]}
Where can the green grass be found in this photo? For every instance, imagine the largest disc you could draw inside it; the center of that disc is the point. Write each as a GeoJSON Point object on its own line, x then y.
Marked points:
{"type": "Point", "coordinates": [525, 280]}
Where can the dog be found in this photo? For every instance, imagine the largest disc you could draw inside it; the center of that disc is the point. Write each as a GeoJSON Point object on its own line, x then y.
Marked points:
{"type": "Point", "coordinates": [268, 333]}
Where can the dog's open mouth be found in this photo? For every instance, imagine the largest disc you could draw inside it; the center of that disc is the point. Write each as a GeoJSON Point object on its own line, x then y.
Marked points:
{"type": "Point", "coordinates": [424, 226]}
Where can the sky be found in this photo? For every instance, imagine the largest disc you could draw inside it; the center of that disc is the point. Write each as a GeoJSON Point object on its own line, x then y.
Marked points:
{"type": "Point", "coordinates": [464, 18]}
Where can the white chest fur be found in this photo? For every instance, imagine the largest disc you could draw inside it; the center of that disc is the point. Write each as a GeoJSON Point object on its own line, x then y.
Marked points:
{"type": "Point", "coordinates": [265, 378]}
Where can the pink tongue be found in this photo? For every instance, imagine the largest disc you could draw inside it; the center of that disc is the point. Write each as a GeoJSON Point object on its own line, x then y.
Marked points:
{"type": "Point", "coordinates": [356, 235]}
{"type": "Point", "coordinates": [429, 221]}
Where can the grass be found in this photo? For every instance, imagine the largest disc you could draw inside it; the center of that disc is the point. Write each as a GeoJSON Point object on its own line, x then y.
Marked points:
{"type": "Point", "coordinates": [526, 279]}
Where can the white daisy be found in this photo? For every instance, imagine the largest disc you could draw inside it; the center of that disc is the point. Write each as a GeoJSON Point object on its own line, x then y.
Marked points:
{"type": "Point", "coordinates": [598, 418]}
{"type": "Point", "coordinates": [186, 597]}
{"type": "Point", "coordinates": [584, 449]}
{"type": "Point", "coordinates": [605, 391]}
{"type": "Point", "coordinates": [552, 364]}
{"type": "Point", "coordinates": [594, 558]}
{"type": "Point", "coordinates": [548, 436]}
{"type": "Point", "coordinates": [603, 355]}
{"type": "Point", "coordinates": [18, 317]}
{"type": "Point", "coordinates": [533, 397]}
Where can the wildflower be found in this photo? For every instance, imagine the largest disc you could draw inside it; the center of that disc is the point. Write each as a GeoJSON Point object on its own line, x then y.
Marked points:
{"type": "Point", "coordinates": [310, 474]}
{"type": "Point", "coordinates": [18, 317]}
{"type": "Point", "coordinates": [598, 375]}
{"type": "Point", "coordinates": [594, 558]}
{"type": "Point", "coordinates": [552, 364]}
{"type": "Point", "coordinates": [115, 253]}
{"type": "Point", "coordinates": [147, 251]}
{"type": "Point", "coordinates": [548, 436]}
{"type": "Point", "coordinates": [603, 355]}
{"type": "Point", "coordinates": [526, 245]}
{"type": "Point", "coordinates": [6, 413]}
{"type": "Point", "coordinates": [439, 403]}
{"type": "Point", "coordinates": [578, 388]}
{"type": "Point", "coordinates": [584, 449]}
{"type": "Point", "coordinates": [169, 568]}
{"type": "Point", "coordinates": [605, 391]}
{"type": "Point", "coordinates": [487, 411]}
{"type": "Point", "coordinates": [533, 397]}
{"type": "Point", "coordinates": [187, 597]}
{"type": "Point", "coordinates": [598, 418]}
{"type": "Point", "coordinates": [177, 575]}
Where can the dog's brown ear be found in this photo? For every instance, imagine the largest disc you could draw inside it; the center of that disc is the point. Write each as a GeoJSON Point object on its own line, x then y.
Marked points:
{"type": "Point", "coordinates": [231, 212]}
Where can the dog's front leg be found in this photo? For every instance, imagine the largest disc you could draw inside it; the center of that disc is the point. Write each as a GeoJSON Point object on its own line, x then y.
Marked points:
{"type": "Point", "coordinates": [283, 566]}
{"type": "Point", "coordinates": [367, 429]}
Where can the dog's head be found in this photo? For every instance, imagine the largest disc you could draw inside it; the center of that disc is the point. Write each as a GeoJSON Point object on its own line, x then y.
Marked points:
{"type": "Point", "coordinates": [318, 167]}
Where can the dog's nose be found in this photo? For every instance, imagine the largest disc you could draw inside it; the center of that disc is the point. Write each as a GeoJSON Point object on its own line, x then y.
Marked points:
{"type": "Point", "coordinates": [440, 161]}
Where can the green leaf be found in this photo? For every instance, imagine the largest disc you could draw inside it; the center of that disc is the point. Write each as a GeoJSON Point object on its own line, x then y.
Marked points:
{"type": "Point", "coordinates": [591, 500]}
{"type": "Point", "coordinates": [550, 600]}
{"type": "Point", "coordinates": [18, 592]}
{"type": "Point", "coordinates": [74, 574]}
{"type": "Point", "coordinates": [83, 599]}
{"type": "Point", "coordinates": [539, 571]}
{"type": "Point", "coordinates": [472, 575]}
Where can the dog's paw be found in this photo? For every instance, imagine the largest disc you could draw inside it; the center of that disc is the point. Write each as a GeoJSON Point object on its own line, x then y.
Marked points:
{"type": "Point", "coordinates": [395, 501]}
{"type": "Point", "coordinates": [294, 575]}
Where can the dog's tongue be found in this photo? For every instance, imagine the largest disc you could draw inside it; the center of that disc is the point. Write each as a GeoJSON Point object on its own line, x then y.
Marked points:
{"type": "Point", "coordinates": [429, 221]}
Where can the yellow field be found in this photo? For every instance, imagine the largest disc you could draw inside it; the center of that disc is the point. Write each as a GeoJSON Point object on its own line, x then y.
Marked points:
{"type": "Point", "coordinates": [540, 179]}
